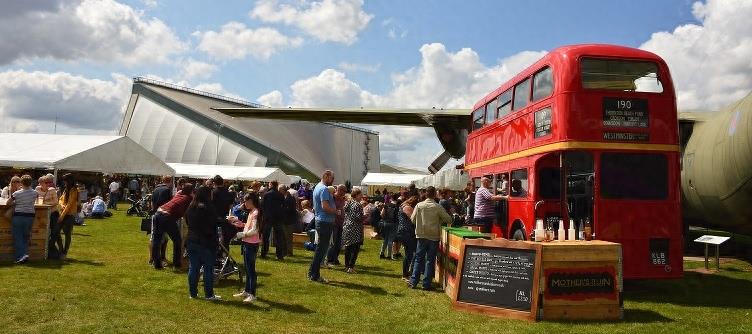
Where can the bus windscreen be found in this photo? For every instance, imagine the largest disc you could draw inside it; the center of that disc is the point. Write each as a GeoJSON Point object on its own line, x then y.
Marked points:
{"type": "Point", "coordinates": [620, 75]}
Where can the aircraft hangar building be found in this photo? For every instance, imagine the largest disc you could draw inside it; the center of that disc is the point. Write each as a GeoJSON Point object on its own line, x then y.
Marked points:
{"type": "Point", "coordinates": [178, 124]}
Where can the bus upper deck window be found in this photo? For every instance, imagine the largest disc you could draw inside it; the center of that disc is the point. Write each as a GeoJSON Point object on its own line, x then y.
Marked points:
{"type": "Point", "coordinates": [478, 115]}
{"type": "Point", "coordinates": [620, 75]}
{"type": "Point", "coordinates": [491, 111]}
{"type": "Point", "coordinates": [521, 94]}
{"type": "Point", "coordinates": [543, 84]}
{"type": "Point", "coordinates": [504, 104]}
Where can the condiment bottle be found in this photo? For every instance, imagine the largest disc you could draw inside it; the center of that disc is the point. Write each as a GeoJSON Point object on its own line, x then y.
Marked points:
{"type": "Point", "coordinates": [588, 230]}
{"type": "Point", "coordinates": [570, 231]}
{"type": "Point", "coordinates": [540, 233]}
{"type": "Point", "coordinates": [561, 235]}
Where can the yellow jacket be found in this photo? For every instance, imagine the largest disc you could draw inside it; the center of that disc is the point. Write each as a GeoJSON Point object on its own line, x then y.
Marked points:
{"type": "Point", "coordinates": [69, 206]}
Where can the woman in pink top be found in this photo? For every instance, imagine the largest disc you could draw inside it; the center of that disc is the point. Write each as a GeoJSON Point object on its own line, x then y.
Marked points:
{"type": "Point", "coordinates": [250, 242]}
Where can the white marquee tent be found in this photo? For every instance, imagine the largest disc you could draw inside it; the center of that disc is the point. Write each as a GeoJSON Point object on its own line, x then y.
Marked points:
{"type": "Point", "coordinates": [452, 179]}
{"type": "Point", "coordinates": [240, 173]}
{"type": "Point", "coordinates": [388, 179]}
{"type": "Point", "coordinates": [103, 154]}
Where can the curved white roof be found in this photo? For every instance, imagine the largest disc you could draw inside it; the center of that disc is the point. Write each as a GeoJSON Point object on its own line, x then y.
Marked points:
{"type": "Point", "coordinates": [105, 154]}
{"type": "Point", "coordinates": [241, 173]}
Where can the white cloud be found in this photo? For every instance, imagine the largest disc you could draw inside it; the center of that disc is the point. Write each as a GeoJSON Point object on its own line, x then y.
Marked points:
{"type": "Point", "coordinates": [235, 41]}
{"type": "Point", "coordinates": [271, 99]}
{"type": "Point", "coordinates": [30, 101]}
{"type": "Point", "coordinates": [330, 88]}
{"type": "Point", "coordinates": [25, 127]}
{"type": "Point", "coordinates": [353, 67]}
{"type": "Point", "coordinates": [442, 79]}
{"type": "Point", "coordinates": [194, 69]}
{"type": "Point", "coordinates": [711, 63]}
{"type": "Point", "coordinates": [394, 30]}
{"type": "Point", "coordinates": [327, 20]}
{"type": "Point", "coordinates": [150, 3]}
{"type": "Point", "coordinates": [104, 31]}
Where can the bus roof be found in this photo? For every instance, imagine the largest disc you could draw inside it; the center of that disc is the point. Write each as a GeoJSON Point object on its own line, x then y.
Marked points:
{"type": "Point", "coordinates": [566, 52]}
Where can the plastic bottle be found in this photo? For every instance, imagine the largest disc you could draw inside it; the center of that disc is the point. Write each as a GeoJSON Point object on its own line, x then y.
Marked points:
{"type": "Point", "coordinates": [561, 234]}
{"type": "Point", "coordinates": [539, 231]}
{"type": "Point", "coordinates": [588, 230]}
{"type": "Point", "coordinates": [571, 231]}
{"type": "Point", "coordinates": [580, 231]}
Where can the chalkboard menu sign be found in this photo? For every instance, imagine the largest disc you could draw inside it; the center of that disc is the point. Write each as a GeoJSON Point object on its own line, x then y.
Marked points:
{"type": "Point", "coordinates": [499, 277]}
{"type": "Point", "coordinates": [625, 113]}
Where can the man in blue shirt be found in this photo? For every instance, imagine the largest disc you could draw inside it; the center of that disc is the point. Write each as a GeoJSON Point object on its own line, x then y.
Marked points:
{"type": "Point", "coordinates": [325, 211]}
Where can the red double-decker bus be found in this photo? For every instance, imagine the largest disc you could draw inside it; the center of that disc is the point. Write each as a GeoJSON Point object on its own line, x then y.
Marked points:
{"type": "Point", "coordinates": [587, 133]}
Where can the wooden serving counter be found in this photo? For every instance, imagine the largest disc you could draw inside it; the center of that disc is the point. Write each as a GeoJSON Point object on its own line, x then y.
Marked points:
{"type": "Point", "coordinates": [40, 231]}
{"type": "Point", "coordinates": [581, 280]}
{"type": "Point", "coordinates": [560, 280]}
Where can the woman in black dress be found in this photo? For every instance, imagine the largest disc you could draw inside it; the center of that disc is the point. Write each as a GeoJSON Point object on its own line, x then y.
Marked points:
{"type": "Point", "coordinates": [352, 229]}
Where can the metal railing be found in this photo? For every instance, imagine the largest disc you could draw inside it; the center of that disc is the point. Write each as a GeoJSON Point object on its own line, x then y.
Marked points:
{"type": "Point", "coordinates": [197, 92]}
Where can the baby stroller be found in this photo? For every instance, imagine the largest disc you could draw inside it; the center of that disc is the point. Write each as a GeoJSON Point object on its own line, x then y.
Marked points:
{"type": "Point", "coordinates": [139, 206]}
{"type": "Point", "coordinates": [225, 266]}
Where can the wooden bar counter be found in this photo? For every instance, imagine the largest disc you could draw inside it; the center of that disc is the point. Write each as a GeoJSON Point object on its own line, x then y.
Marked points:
{"type": "Point", "coordinates": [559, 280]}
{"type": "Point", "coordinates": [40, 230]}
{"type": "Point", "coordinates": [581, 280]}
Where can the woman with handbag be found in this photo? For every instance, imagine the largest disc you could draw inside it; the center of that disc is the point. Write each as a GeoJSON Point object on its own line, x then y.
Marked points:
{"type": "Point", "coordinates": [406, 235]}
{"type": "Point", "coordinates": [68, 210]}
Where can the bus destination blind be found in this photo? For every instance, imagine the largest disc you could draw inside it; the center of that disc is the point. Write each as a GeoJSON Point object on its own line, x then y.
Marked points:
{"type": "Point", "coordinates": [625, 113]}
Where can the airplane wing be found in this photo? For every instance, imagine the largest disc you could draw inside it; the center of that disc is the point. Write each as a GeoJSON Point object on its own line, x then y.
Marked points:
{"type": "Point", "coordinates": [456, 118]}
{"type": "Point", "coordinates": [451, 125]}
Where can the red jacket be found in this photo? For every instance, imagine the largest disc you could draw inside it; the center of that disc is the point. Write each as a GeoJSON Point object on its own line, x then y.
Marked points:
{"type": "Point", "coordinates": [177, 206]}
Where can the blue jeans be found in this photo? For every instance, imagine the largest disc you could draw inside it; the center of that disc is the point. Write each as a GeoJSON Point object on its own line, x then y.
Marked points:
{"type": "Point", "coordinates": [335, 245]}
{"type": "Point", "coordinates": [324, 229]}
{"type": "Point", "coordinates": [388, 232]}
{"type": "Point", "coordinates": [201, 256]}
{"type": "Point", "coordinates": [407, 261]}
{"type": "Point", "coordinates": [425, 261]}
{"type": "Point", "coordinates": [113, 201]}
{"type": "Point", "coordinates": [21, 230]}
{"type": "Point", "coordinates": [249, 259]}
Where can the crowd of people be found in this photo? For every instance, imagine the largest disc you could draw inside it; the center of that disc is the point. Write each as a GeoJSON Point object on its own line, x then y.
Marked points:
{"type": "Point", "coordinates": [64, 206]}
{"type": "Point", "coordinates": [202, 217]}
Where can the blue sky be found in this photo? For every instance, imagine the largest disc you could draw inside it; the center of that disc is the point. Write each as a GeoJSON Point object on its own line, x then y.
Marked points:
{"type": "Point", "coordinates": [76, 57]}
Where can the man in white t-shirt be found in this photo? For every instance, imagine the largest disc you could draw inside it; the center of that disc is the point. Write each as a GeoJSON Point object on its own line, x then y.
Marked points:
{"type": "Point", "coordinates": [114, 194]}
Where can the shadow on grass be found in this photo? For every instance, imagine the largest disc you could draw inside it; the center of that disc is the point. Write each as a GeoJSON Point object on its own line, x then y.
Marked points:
{"type": "Point", "coordinates": [378, 273]}
{"type": "Point", "coordinates": [54, 264]}
{"type": "Point", "coordinates": [259, 305]}
{"type": "Point", "coordinates": [81, 234]}
{"type": "Point", "coordinates": [636, 316]}
{"type": "Point", "coordinates": [695, 289]}
{"type": "Point", "coordinates": [374, 290]}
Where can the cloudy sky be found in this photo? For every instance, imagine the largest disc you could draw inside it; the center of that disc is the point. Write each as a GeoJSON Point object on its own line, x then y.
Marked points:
{"type": "Point", "coordinates": [72, 61]}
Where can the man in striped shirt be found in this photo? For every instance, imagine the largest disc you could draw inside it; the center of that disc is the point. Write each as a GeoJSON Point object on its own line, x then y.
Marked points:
{"type": "Point", "coordinates": [484, 208]}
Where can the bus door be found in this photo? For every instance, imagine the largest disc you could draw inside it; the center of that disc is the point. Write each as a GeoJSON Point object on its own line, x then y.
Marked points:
{"type": "Point", "coordinates": [578, 166]}
{"type": "Point", "coordinates": [501, 187]}
{"type": "Point", "coordinates": [549, 204]}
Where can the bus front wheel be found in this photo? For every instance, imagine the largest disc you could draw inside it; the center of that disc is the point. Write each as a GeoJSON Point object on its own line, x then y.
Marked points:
{"type": "Point", "coordinates": [518, 234]}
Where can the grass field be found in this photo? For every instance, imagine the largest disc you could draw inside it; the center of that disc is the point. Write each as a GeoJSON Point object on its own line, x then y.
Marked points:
{"type": "Point", "coordinates": [107, 286]}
